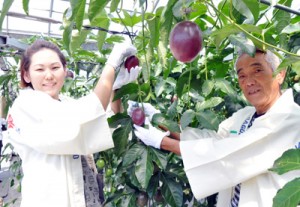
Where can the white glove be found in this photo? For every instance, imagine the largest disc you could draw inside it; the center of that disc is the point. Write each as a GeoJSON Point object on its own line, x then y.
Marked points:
{"type": "Point", "coordinates": [149, 110]}
{"type": "Point", "coordinates": [152, 136]}
{"type": "Point", "coordinates": [119, 53]}
{"type": "Point", "coordinates": [124, 77]}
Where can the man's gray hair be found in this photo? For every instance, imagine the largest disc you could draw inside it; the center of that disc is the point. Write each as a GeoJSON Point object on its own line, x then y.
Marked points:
{"type": "Point", "coordinates": [273, 60]}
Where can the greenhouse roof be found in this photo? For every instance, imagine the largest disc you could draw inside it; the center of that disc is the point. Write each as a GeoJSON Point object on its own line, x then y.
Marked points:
{"type": "Point", "coordinates": [45, 17]}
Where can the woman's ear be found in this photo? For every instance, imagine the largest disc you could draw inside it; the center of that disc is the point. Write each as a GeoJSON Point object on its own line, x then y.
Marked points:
{"type": "Point", "coordinates": [27, 77]}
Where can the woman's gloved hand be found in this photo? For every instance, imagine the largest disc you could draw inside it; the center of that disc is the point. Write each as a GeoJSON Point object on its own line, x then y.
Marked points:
{"type": "Point", "coordinates": [119, 53]}
{"type": "Point", "coordinates": [124, 77]}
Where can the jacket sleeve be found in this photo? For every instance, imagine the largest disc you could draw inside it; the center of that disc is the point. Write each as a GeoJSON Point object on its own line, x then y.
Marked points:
{"type": "Point", "coordinates": [213, 165]}
{"type": "Point", "coordinates": [54, 127]}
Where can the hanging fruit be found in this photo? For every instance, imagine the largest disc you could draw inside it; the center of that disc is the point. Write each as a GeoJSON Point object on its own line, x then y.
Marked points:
{"type": "Point", "coordinates": [131, 62]}
{"type": "Point", "coordinates": [138, 116]}
{"type": "Point", "coordinates": [185, 41]}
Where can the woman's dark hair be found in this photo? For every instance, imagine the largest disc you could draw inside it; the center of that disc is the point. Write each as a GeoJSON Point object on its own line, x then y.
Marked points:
{"type": "Point", "coordinates": [31, 50]}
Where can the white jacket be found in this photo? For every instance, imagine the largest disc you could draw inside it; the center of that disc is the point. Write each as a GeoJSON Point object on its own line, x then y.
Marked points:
{"type": "Point", "coordinates": [217, 165]}
{"type": "Point", "coordinates": [50, 135]}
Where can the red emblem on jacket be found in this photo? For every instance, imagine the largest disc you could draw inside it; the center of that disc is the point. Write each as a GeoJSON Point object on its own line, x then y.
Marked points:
{"type": "Point", "coordinates": [10, 122]}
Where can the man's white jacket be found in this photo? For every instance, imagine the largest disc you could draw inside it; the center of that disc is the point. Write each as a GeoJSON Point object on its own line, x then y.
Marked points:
{"type": "Point", "coordinates": [218, 164]}
{"type": "Point", "coordinates": [50, 136]}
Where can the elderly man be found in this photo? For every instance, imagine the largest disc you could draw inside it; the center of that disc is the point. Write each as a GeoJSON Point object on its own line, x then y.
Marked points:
{"type": "Point", "coordinates": [235, 160]}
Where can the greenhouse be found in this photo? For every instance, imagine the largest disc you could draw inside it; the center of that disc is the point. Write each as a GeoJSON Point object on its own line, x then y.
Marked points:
{"type": "Point", "coordinates": [165, 103]}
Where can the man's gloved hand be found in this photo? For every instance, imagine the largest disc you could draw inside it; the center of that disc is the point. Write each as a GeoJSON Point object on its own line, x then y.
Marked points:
{"type": "Point", "coordinates": [152, 136]}
{"type": "Point", "coordinates": [124, 77]}
{"type": "Point", "coordinates": [148, 108]}
{"type": "Point", "coordinates": [119, 53]}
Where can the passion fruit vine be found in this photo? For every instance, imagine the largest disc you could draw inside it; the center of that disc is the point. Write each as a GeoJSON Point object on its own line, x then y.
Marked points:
{"type": "Point", "coordinates": [185, 41]}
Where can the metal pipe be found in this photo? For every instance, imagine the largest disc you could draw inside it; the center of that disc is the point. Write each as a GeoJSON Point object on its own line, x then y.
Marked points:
{"type": "Point", "coordinates": [281, 7]}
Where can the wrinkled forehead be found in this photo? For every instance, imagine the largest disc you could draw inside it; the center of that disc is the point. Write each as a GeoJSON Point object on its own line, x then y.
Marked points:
{"type": "Point", "coordinates": [246, 61]}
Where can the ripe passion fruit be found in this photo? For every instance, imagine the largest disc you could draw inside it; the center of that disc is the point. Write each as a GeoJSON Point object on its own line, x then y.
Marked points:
{"type": "Point", "coordinates": [185, 41]}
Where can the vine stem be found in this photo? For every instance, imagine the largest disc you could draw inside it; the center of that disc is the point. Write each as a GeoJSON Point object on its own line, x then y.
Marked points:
{"type": "Point", "coordinates": [189, 86]}
{"type": "Point", "coordinates": [249, 34]}
{"type": "Point", "coordinates": [118, 13]}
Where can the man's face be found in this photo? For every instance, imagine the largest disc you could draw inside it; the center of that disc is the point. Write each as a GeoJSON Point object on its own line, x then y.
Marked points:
{"type": "Point", "coordinates": [256, 80]}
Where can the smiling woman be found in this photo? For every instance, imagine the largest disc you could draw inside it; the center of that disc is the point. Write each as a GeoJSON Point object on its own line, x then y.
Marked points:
{"type": "Point", "coordinates": [54, 135]}
{"type": "Point", "coordinates": [43, 67]}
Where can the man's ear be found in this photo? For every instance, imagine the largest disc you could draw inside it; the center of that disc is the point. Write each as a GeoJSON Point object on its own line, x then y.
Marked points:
{"type": "Point", "coordinates": [27, 77]}
{"type": "Point", "coordinates": [280, 76]}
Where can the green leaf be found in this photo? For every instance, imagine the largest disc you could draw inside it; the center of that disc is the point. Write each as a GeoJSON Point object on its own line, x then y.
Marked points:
{"type": "Point", "coordinates": [160, 87]}
{"type": "Point", "coordinates": [159, 158]}
{"type": "Point", "coordinates": [296, 67]}
{"type": "Point", "coordinates": [118, 119]}
{"type": "Point", "coordinates": [187, 80]}
{"type": "Point", "coordinates": [5, 78]}
{"type": "Point", "coordinates": [67, 35]}
{"type": "Point", "coordinates": [120, 137]}
{"type": "Point", "coordinates": [292, 28]}
{"type": "Point", "coordinates": [281, 18]}
{"type": "Point", "coordinates": [114, 5]}
{"type": "Point", "coordinates": [153, 185]}
{"type": "Point", "coordinates": [25, 6]}
{"type": "Point", "coordinates": [144, 169]}
{"type": "Point", "coordinates": [244, 6]}
{"type": "Point", "coordinates": [209, 103]}
{"type": "Point", "coordinates": [153, 25]}
{"type": "Point", "coordinates": [289, 195]}
{"type": "Point", "coordinates": [180, 6]}
{"type": "Point", "coordinates": [172, 191]}
{"type": "Point", "coordinates": [133, 154]}
{"type": "Point", "coordinates": [132, 177]}
{"type": "Point", "coordinates": [96, 7]}
{"type": "Point", "coordinates": [244, 44]}
{"type": "Point", "coordinates": [199, 10]}
{"type": "Point", "coordinates": [78, 38]}
{"type": "Point", "coordinates": [290, 160]}
{"type": "Point", "coordinates": [128, 199]}
{"type": "Point", "coordinates": [222, 33]}
{"type": "Point", "coordinates": [131, 88]}
{"type": "Point", "coordinates": [162, 53]}
{"type": "Point", "coordinates": [161, 119]}
{"type": "Point", "coordinates": [208, 119]}
{"type": "Point", "coordinates": [166, 22]}
{"type": "Point", "coordinates": [172, 110]}
{"type": "Point", "coordinates": [207, 87]}
{"type": "Point", "coordinates": [130, 20]}
{"type": "Point", "coordinates": [78, 9]}
{"type": "Point", "coordinates": [101, 36]}
{"type": "Point", "coordinates": [225, 86]}
{"type": "Point", "coordinates": [287, 61]}
{"type": "Point", "coordinates": [5, 7]}
{"type": "Point", "coordinates": [186, 118]}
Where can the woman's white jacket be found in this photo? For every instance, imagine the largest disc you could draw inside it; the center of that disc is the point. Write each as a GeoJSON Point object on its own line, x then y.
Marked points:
{"type": "Point", "coordinates": [50, 135]}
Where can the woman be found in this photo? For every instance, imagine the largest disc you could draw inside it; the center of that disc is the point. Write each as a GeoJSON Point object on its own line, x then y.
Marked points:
{"type": "Point", "coordinates": [52, 133]}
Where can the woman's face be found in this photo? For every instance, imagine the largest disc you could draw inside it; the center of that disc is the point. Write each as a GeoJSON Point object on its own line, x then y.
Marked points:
{"type": "Point", "coordinates": [46, 72]}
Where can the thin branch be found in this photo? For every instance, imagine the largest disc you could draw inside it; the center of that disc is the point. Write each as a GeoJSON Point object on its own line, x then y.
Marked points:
{"type": "Point", "coordinates": [130, 34]}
